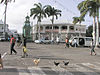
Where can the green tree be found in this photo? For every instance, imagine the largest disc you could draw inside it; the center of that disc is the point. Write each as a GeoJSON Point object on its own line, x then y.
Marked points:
{"type": "Point", "coordinates": [97, 18]}
{"type": "Point", "coordinates": [52, 12]}
{"type": "Point", "coordinates": [38, 12]}
{"type": "Point", "coordinates": [90, 7]}
{"type": "Point", "coordinates": [6, 3]}
{"type": "Point", "coordinates": [78, 20]}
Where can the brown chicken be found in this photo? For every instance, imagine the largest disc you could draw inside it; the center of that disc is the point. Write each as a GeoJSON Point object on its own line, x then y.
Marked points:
{"type": "Point", "coordinates": [36, 61]}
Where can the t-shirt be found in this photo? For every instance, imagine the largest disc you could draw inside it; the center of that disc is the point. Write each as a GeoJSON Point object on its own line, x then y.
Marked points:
{"type": "Point", "coordinates": [12, 40]}
{"type": "Point", "coordinates": [66, 40]}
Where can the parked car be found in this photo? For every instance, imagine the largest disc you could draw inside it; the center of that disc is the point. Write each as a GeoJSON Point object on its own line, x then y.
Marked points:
{"type": "Point", "coordinates": [38, 41]}
{"type": "Point", "coordinates": [44, 41]}
{"type": "Point", "coordinates": [2, 39]}
{"type": "Point", "coordinates": [81, 41]}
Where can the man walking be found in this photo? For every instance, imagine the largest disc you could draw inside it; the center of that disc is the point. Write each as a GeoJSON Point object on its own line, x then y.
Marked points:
{"type": "Point", "coordinates": [93, 46]}
{"type": "Point", "coordinates": [12, 42]}
{"type": "Point", "coordinates": [24, 47]}
{"type": "Point", "coordinates": [67, 42]}
{"type": "Point", "coordinates": [57, 40]}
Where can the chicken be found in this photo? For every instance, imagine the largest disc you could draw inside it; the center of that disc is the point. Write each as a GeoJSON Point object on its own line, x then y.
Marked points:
{"type": "Point", "coordinates": [36, 61]}
{"type": "Point", "coordinates": [56, 63]}
{"type": "Point", "coordinates": [1, 66]}
{"type": "Point", "coordinates": [65, 63]}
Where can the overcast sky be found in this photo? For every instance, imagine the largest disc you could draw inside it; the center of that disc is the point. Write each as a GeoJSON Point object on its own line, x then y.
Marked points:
{"type": "Point", "coordinates": [17, 11]}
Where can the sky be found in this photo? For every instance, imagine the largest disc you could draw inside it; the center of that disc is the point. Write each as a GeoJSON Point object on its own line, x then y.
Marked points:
{"type": "Point", "coordinates": [18, 10]}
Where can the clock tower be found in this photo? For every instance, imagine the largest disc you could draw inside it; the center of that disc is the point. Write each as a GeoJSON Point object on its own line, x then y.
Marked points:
{"type": "Point", "coordinates": [27, 29]}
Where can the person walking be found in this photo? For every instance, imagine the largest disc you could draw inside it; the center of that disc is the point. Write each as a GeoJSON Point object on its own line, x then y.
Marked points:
{"type": "Point", "coordinates": [92, 48]}
{"type": "Point", "coordinates": [24, 46]}
{"type": "Point", "coordinates": [67, 42]}
{"type": "Point", "coordinates": [12, 42]}
{"type": "Point", "coordinates": [75, 42]}
{"type": "Point", "coordinates": [57, 40]}
{"type": "Point", "coordinates": [18, 41]}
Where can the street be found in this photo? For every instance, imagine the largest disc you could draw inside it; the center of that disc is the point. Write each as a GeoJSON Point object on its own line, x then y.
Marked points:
{"type": "Point", "coordinates": [80, 60]}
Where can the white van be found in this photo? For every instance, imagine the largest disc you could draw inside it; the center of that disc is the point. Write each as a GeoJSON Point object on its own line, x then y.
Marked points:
{"type": "Point", "coordinates": [81, 41]}
{"type": "Point", "coordinates": [2, 38]}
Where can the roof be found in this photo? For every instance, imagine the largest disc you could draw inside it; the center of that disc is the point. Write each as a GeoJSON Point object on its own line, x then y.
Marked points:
{"type": "Point", "coordinates": [58, 23]}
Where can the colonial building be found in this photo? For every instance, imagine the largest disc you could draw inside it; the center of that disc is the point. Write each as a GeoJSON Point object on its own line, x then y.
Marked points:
{"type": "Point", "coordinates": [2, 28]}
{"type": "Point", "coordinates": [62, 30]}
{"type": "Point", "coordinates": [27, 29]}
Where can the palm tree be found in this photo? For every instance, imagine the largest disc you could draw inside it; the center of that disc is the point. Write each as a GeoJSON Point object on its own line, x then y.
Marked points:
{"type": "Point", "coordinates": [39, 13]}
{"type": "Point", "coordinates": [52, 12]}
{"type": "Point", "coordinates": [97, 18]}
{"type": "Point", "coordinates": [6, 3]}
{"type": "Point", "coordinates": [78, 20]}
{"type": "Point", "coordinates": [89, 6]}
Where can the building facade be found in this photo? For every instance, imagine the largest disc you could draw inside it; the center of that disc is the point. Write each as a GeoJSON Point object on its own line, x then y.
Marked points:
{"type": "Point", "coordinates": [2, 29]}
{"type": "Point", "coordinates": [61, 30]}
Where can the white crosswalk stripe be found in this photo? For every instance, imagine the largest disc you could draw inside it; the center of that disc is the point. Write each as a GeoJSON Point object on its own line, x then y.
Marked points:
{"type": "Point", "coordinates": [83, 68]}
{"type": "Point", "coordinates": [36, 71]}
{"type": "Point", "coordinates": [91, 66]}
{"type": "Point", "coordinates": [61, 71]}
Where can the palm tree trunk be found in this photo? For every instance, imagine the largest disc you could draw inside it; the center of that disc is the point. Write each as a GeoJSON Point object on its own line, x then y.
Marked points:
{"type": "Point", "coordinates": [97, 31]}
{"type": "Point", "coordinates": [94, 32]}
{"type": "Point", "coordinates": [36, 31]}
{"type": "Point", "coordinates": [39, 31]}
{"type": "Point", "coordinates": [80, 29]}
{"type": "Point", "coordinates": [52, 38]}
{"type": "Point", "coordinates": [52, 34]}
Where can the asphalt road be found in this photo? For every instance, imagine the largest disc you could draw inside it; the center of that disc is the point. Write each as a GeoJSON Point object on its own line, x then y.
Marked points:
{"type": "Point", "coordinates": [80, 60]}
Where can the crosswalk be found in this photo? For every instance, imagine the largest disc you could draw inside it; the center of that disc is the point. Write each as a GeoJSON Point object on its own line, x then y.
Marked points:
{"type": "Point", "coordinates": [71, 69]}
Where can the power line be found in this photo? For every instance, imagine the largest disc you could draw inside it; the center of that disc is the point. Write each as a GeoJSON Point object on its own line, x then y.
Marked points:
{"type": "Point", "coordinates": [68, 10]}
{"type": "Point", "coordinates": [63, 7]}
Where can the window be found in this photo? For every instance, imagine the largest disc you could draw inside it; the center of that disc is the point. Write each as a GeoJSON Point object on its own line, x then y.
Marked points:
{"type": "Point", "coordinates": [47, 27]}
{"type": "Point", "coordinates": [41, 28]}
{"type": "Point", "coordinates": [88, 39]}
{"type": "Point", "coordinates": [56, 27]}
{"type": "Point", "coordinates": [71, 27]}
{"type": "Point", "coordinates": [64, 27]}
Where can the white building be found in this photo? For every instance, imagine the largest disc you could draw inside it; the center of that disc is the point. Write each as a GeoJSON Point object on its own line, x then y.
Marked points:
{"type": "Point", "coordinates": [9, 32]}
{"type": "Point", "coordinates": [60, 29]}
{"type": "Point", "coordinates": [1, 28]}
